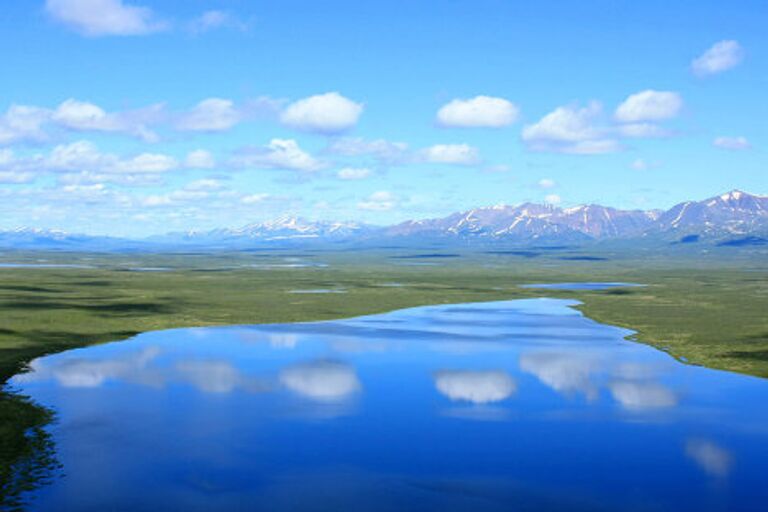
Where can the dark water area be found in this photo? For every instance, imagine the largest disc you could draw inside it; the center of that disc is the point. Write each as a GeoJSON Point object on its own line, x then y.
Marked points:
{"type": "Point", "coordinates": [517, 405]}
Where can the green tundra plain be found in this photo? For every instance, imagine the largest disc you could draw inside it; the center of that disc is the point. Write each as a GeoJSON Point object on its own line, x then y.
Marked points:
{"type": "Point", "coordinates": [702, 308]}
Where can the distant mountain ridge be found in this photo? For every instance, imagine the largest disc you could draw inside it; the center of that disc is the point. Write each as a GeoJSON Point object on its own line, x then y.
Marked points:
{"type": "Point", "coordinates": [735, 218]}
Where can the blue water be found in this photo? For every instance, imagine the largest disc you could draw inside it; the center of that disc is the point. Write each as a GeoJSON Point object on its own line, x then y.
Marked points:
{"type": "Point", "coordinates": [580, 286]}
{"type": "Point", "coordinates": [505, 406]}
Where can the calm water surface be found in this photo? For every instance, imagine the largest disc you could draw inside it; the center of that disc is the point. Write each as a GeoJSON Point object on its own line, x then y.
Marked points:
{"type": "Point", "coordinates": [519, 405]}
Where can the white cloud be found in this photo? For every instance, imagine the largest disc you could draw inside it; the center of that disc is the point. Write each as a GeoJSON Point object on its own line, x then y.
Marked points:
{"type": "Point", "coordinates": [552, 199]}
{"type": "Point", "coordinates": [640, 165]}
{"type": "Point", "coordinates": [254, 198]}
{"type": "Point", "coordinates": [327, 113]}
{"type": "Point", "coordinates": [732, 143]}
{"type": "Point", "coordinates": [104, 17]}
{"type": "Point", "coordinates": [146, 163]}
{"type": "Point", "coordinates": [547, 183]}
{"type": "Point", "coordinates": [455, 154]}
{"type": "Point", "coordinates": [383, 150]}
{"type": "Point", "coordinates": [478, 387]}
{"type": "Point", "coordinates": [643, 131]}
{"type": "Point", "coordinates": [378, 201]}
{"type": "Point", "coordinates": [23, 123]}
{"type": "Point", "coordinates": [722, 56]}
{"type": "Point", "coordinates": [478, 112]}
{"type": "Point", "coordinates": [205, 184]}
{"type": "Point", "coordinates": [570, 129]}
{"type": "Point", "coordinates": [16, 177]}
{"type": "Point", "coordinates": [353, 173]}
{"type": "Point", "coordinates": [192, 192]}
{"type": "Point", "coordinates": [7, 157]}
{"type": "Point", "coordinates": [279, 154]}
{"type": "Point", "coordinates": [649, 105]}
{"type": "Point", "coordinates": [84, 116]}
{"type": "Point", "coordinates": [213, 20]}
{"type": "Point", "coordinates": [199, 159]}
{"type": "Point", "coordinates": [210, 115]}
{"type": "Point", "coordinates": [85, 156]}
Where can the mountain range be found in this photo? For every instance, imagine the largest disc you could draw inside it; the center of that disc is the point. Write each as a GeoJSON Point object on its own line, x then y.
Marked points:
{"type": "Point", "coordinates": [733, 218]}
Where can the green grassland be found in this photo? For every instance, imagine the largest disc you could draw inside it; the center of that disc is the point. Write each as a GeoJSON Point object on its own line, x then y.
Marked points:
{"type": "Point", "coordinates": [706, 309]}
{"type": "Point", "coordinates": [711, 313]}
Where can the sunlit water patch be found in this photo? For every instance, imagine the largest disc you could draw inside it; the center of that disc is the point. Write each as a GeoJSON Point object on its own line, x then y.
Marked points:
{"type": "Point", "coordinates": [518, 405]}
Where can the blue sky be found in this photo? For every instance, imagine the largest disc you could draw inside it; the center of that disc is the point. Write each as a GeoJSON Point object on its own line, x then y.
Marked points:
{"type": "Point", "coordinates": [136, 117]}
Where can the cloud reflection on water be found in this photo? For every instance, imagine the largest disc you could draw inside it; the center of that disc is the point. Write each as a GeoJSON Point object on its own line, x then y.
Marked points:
{"type": "Point", "coordinates": [566, 372]}
{"type": "Point", "coordinates": [477, 387]}
{"type": "Point", "coordinates": [712, 458]}
{"type": "Point", "coordinates": [641, 395]}
{"type": "Point", "coordinates": [324, 381]}
{"type": "Point", "coordinates": [140, 367]}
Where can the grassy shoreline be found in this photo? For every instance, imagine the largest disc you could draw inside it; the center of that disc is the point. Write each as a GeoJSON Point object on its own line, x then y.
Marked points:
{"type": "Point", "coordinates": [709, 315]}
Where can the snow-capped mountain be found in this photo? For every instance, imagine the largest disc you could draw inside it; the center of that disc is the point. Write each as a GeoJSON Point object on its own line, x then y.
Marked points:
{"type": "Point", "coordinates": [36, 238]}
{"type": "Point", "coordinates": [732, 219]}
{"type": "Point", "coordinates": [531, 221]}
{"type": "Point", "coordinates": [280, 229]}
{"type": "Point", "coordinates": [735, 212]}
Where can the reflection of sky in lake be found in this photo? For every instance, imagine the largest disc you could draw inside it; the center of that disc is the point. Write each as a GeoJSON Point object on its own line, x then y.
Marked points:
{"type": "Point", "coordinates": [519, 405]}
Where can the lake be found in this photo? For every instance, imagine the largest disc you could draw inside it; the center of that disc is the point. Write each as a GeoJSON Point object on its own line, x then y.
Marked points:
{"type": "Point", "coordinates": [517, 405]}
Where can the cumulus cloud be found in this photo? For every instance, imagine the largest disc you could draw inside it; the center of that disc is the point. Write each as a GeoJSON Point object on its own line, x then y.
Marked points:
{"type": "Point", "coordinates": [454, 154]}
{"type": "Point", "coordinates": [27, 123]}
{"type": "Point", "coordinates": [378, 201]}
{"type": "Point", "coordinates": [547, 183]}
{"type": "Point", "coordinates": [570, 129]}
{"type": "Point", "coordinates": [722, 56]}
{"type": "Point", "coordinates": [104, 17]}
{"type": "Point", "coordinates": [210, 115]}
{"type": "Point", "coordinates": [353, 173]}
{"type": "Point", "coordinates": [552, 199]}
{"type": "Point", "coordinates": [649, 105]}
{"type": "Point", "coordinates": [8, 172]}
{"type": "Point", "coordinates": [477, 387]}
{"type": "Point", "coordinates": [478, 112]}
{"type": "Point", "coordinates": [324, 381]}
{"type": "Point", "coordinates": [732, 143]}
{"type": "Point", "coordinates": [643, 131]}
{"type": "Point", "coordinates": [213, 20]}
{"type": "Point", "coordinates": [206, 184]}
{"type": "Point", "coordinates": [328, 113]}
{"type": "Point", "coordinates": [16, 177]}
{"type": "Point", "coordinates": [85, 156]}
{"type": "Point", "coordinates": [380, 149]}
{"type": "Point", "coordinates": [84, 116]}
{"type": "Point", "coordinates": [199, 159]}
{"type": "Point", "coordinates": [278, 154]}
{"type": "Point", "coordinates": [23, 123]}
{"type": "Point", "coordinates": [254, 198]}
